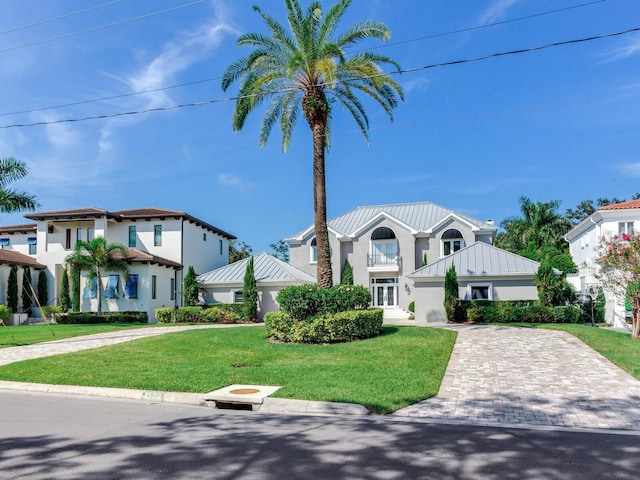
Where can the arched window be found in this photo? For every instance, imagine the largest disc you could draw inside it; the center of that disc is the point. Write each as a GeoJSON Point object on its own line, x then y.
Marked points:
{"type": "Point", "coordinates": [452, 241]}
{"type": "Point", "coordinates": [384, 247]}
{"type": "Point", "coordinates": [314, 251]}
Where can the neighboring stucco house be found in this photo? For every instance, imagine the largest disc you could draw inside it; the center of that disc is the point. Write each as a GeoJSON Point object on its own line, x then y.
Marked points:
{"type": "Point", "coordinates": [618, 219]}
{"type": "Point", "coordinates": [386, 243]}
{"type": "Point", "coordinates": [161, 242]}
{"type": "Point", "coordinates": [225, 284]}
{"type": "Point", "coordinates": [483, 272]}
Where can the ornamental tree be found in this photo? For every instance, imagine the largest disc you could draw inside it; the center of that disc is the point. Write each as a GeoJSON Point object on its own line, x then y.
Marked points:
{"type": "Point", "coordinates": [451, 293]}
{"type": "Point", "coordinates": [619, 260]}
{"type": "Point", "coordinates": [250, 293]}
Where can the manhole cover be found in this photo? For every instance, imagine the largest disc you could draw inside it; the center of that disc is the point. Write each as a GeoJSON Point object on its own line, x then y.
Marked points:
{"type": "Point", "coordinates": [244, 391]}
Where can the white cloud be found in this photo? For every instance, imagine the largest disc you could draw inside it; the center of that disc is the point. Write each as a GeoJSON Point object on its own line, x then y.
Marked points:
{"type": "Point", "coordinates": [229, 180]}
{"type": "Point", "coordinates": [58, 134]}
{"type": "Point", "coordinates": [418, 83]}
{"type": "Point", "coordinates": [629, 46]}
{"type": "Point", "coordinates": [496, 11]}
{"type": "Point", "coordinates": [630, 169]}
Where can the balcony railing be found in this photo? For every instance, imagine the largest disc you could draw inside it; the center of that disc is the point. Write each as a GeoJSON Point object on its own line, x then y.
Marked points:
{"type": "Point", "coordinates": [379, 260]}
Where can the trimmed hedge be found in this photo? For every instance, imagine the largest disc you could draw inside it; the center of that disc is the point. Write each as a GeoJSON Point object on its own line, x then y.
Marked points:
{"type": "Point", "coordinates": [85, 318]}
{"type": "Point", "coordinates": [340, 327]}
{"type": "Point", "coordinates": [237, 308]}
{"type": "Point", "coordinates": [506, 311]}
{"type": "Point", "coordinates": [210, 314]}
{"type": "Point", "coordinates": [303, 302]}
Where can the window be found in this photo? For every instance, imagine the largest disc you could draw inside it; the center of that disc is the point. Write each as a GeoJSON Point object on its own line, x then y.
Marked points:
{"type": "Point", "coordinates": [172, 288]}
{"type": "Point", "coordinates": [157, 235]}
{"type": "Point", "coordinates": [4, 243]}
{"type": "Point", "coordinates": [384, 247]}
{"type": "Point", "coordinates": [204, 237]}
{"type": "Point", "coordinates": [111, 291]}
{"type": "Point", "coordinates": [625, 229]}
{"type": "Point", "coordinates": [452, 241]}
{"type": "Point", "coordinates": [314, 251]}
{"type": "Point", "coordinates": [132, 236]}
{"type": "Point", "coordinates": [220, 246]}
{"type": "Point", "coordinates": [237, 296]}
{"type": "Point", "coordinates": [33, 246]}
{"type": "Point", "coordinates": [91, 288]}
{"type": "Point", "coordinates": [89, 234]}
{"type": "Point", "coordinates": [67, 240]}
{"type": "Point", "coordinates": [131, 287]}
{"type": "Point", "coordinates": [78, 234]}
{"type": "Point", "coordinates": [153, 287]}
{"type": "Point", "coordinates": [479, 291]}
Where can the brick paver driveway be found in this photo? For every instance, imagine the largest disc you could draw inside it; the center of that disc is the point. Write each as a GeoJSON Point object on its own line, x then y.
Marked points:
{"type": "Point", "coordinates": [507, 375]}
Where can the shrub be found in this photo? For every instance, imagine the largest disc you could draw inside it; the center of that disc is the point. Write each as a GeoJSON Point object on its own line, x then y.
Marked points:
{"type": "Point", "coordinates": [339, 327]}
{"type": "Point", "coordinates": [304, 302]}
{"type": "Point", "coordinates": [43, 288]}
{"type": "Point", "coordinates": [250, 293]}
{"type": "Point", "coordinates": [26, 289]}
{"type": "Point", "coordinates": [106, 317]}
{"type": "Point", "coordinates": [190, 287]}
{"type": "Point", "coordinates": [197, 315]}
{"type": "Point", "coordinates": [347, 274]}
{"type": "Point", "coordinates": [12, 289]}
{"type": "Point", "coordinates": [48, 311]}
{"type": "Point", "coordinates": [566, 314]}
{"type": "Point", "coordinates": [451, 294]}
{"type": "Point", "coordinates": [412, 307]}
{"type": "Point", "coordinates": [64, 291]}
{"type": "Point", "coordinates": [5, 313]}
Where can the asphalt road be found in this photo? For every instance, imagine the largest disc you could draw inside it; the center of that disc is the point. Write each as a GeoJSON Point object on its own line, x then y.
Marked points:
{"type": "Point", "coordinates": [57, 437]}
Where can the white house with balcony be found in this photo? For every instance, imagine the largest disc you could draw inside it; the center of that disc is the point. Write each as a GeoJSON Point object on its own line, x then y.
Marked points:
{"type": "Point", "coordinates": [584, 239]}
{"type": "Point", "coordinates": [386, 244]}
{"type": "Point", "coordinates": [161, 243]}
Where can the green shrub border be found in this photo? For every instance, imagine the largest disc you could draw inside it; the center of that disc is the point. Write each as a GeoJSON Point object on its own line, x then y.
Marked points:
{"type": "Point", "coordinates": [85, 318]}
{"type": "Point", "coordinates": [213, 313]}
{"type": "Point", "coordinates": [508, 311]}
{"type": "Point", "coordinates": [340, 327]}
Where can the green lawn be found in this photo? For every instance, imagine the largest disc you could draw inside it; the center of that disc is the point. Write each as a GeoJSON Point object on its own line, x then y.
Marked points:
{"type": "Point", "coordinates": [400, 367]}
{"type": "Point", "coordinates": [28, 334]}
{"type": "Point", "coordinates": [618, 347]}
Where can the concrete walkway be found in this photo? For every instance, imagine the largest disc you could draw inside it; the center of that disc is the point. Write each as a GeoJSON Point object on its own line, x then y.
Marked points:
{"type": "Point", "coordinates": [76, 344]}
{"type": "Point", "coordinates": [521, 376]}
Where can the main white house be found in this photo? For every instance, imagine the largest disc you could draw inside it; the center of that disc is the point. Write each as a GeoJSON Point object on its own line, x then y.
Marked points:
{"type": "Point", "coordinates": [161, 243]}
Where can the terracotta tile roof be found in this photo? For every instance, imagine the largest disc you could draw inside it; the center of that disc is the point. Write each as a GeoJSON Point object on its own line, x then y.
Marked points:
{"type": "Point", "coordinates": [25, 228]}
{"type": "Point", "coordinates": [9, 257]}
{"type": "Point", "coordinates": [91, 212]}
{"type": "Point", "coordinates": [622, 206]}
{"type": "Point", "coordinates": [139, 256]}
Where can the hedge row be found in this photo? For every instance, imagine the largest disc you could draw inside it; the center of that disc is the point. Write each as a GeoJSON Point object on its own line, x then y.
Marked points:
{"type": "Point", "coordinates": [106, 317]}
{"type": "Point", "coordinates": [340, 327]}
{"type": "Point", "coordinates": [516, 311]}
{"type": "Point", "coordinates": [303, 302]}
{"type": "Point", "coordinates": [197, 315]}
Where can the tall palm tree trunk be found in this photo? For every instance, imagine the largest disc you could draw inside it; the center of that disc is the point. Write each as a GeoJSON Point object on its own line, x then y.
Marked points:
{"type": "Point", "coordinates": [99, 291]}
{"type": "Point", "coordinates": [316, 111]}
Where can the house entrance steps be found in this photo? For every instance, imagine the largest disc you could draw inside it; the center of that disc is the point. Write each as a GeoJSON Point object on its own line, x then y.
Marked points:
{"type": "Point", "coordinates": [396, 314]}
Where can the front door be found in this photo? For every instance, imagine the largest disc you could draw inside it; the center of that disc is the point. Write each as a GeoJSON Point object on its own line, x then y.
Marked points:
{"type": "Point", "coordinates": [385, 292]}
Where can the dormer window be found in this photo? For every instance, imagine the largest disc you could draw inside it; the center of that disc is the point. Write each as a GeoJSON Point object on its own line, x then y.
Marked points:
{"type": "Point", "coordinates": [452, 241]}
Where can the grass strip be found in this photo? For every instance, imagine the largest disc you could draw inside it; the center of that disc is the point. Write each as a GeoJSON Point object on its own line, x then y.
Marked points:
{"type": "Point", "coordinates": [400, 367]}
{"type": "Point", "coordinates": [29, 334]}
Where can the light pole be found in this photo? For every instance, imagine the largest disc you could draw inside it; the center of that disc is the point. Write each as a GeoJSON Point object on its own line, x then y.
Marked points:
{"type": "Point", "coordinates": [593, 295]}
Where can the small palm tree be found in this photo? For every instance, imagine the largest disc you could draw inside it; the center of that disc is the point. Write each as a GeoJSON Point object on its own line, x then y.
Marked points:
{"type": "Point", "coordinates": [307, 68]}
{"type": "Point", "coordinates": [96, 256]}
{"type": "Point", "coordinates": [11, 200]}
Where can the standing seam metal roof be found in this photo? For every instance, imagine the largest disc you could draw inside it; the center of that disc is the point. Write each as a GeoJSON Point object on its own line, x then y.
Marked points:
{"type": "Point", "coordinates": [266, 268]}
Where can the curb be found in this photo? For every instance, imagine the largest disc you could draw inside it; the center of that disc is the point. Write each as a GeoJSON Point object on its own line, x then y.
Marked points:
{"type": "Point", "coordinates": [269, 405]}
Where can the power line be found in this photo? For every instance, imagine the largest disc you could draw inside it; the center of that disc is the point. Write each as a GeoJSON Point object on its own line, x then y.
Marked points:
{"type": "Point", "coordinates": [206, 80]}
{"type": "Point", "coordinates": [68, 15]}
{"type": "Point", "coordinates": [102, 27]}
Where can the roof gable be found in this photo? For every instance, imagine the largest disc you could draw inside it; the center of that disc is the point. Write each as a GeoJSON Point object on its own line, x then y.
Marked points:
{"type": "Point", "coordinates": [266, 269]}
{"type": "Point", "coordinates": [480, 260]}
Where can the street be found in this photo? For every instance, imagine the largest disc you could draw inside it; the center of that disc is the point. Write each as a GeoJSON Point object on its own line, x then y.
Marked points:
{"type": "Point", "coordinates": [59, 437]}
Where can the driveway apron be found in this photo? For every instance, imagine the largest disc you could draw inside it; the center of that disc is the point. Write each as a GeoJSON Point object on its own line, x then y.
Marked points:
{"type": "Point", "coordinates": [526, 376]}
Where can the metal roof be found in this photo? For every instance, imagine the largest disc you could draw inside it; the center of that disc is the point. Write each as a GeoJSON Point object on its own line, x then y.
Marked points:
{"type": "Point", "coordinates": [480, 260]}
{"type": "Point", "coordinates": [418, 216]}
{"type": "Point", "coordinates": [266, 268]}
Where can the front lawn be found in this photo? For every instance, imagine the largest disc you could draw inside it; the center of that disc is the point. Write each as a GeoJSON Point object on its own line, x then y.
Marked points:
{"type": "Point", "coordinates": [385, 373]}
{"type": "Point", "coordinates": [28, 334]}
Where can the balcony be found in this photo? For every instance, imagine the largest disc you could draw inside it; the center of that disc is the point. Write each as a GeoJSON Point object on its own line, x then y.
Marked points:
{"type": "Point", "coordinates": [383, 263]}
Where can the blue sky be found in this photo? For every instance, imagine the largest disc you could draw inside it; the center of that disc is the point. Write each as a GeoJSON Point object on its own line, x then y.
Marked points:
{"type": "Point", "coordinates": [557, 124]}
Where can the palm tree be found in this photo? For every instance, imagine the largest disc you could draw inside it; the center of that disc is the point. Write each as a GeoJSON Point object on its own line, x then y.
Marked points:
{"type": "Point", "coordinates": [306, 68]}
{"type": "Point", "coordinates": [11, 200]}
{"type": "Point", "coordinates": [96, 256]}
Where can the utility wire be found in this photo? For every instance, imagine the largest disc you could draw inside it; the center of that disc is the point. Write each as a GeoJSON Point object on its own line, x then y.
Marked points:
{"type": "Point", "coordinates": [206, 80]}
{"type": "Point", "coordinates": [411, 70]}
{"type": "Point", "coordinates": [102, 27]}
{"type": "Point", "coordinates": [68, 15]}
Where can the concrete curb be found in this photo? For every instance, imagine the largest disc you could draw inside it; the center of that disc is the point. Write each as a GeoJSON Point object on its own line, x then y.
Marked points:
{"type": "Point", "coordinates": [269, 405]}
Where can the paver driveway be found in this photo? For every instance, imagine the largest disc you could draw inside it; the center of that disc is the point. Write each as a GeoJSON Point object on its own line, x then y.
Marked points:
{"type": "Point", "coordinates": [507, 375]}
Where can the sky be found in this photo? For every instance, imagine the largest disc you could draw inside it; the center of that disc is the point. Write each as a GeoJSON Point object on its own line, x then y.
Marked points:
{"type": "Point", "coordinates": [559, 123]}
